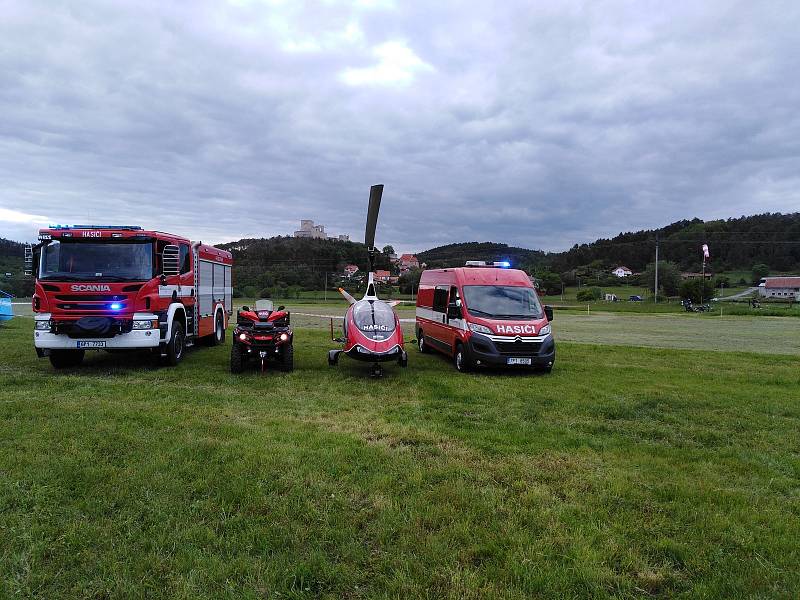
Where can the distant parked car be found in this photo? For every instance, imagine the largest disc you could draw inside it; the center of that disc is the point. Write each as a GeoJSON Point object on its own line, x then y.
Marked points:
{"type": "Point", "coordinates": [634, 299]}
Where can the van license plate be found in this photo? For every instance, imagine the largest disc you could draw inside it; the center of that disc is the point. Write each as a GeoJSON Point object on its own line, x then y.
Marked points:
{"type": "Point", "coordinates": [519, 361]}
{"type": "Point", "coordinates": [91, 344]}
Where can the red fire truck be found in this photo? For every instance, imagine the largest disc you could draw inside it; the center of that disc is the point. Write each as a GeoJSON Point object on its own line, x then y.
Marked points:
{"type": "Point", "coordinates": [104, 287]}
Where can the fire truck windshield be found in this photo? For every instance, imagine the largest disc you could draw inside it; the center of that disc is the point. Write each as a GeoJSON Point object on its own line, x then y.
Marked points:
{"type": "Point", "coordinates": [101, 261]}
{"type": "Point", "coordinates": [502, 302]}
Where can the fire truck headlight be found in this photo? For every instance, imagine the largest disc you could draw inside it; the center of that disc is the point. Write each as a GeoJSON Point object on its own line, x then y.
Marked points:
{"type": "Point", "coordinates": [115, 306]}
{"type": "Point", "coordinates": [284, 337]}
{"type": "Point", "coordinates": [545, 330]}
{"type": "Point", "coordinates": [43, 325]}
{"type": "Point", "coordinates": [145, 324]}
{"type": "Point", "coordinates": [479, 328]}
{"type": "Point", "coordinates": [243, 336]}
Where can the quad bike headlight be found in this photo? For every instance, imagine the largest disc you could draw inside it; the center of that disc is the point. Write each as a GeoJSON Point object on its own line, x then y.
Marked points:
{"type": "Point", "coordinates": [284, 337]}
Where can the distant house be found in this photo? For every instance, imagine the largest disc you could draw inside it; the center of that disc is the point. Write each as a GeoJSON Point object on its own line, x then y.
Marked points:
{"type": "Point", "coordinates": [408, 262]}
{"type": "Point", "coordinates": [787, 288]}
{"type": "Point", "coordinates": [350, 270]}
{"type": "Point", "coordinates": [693, 275]}
{"type": "Point", "coordinates": [622, 271]}
{"type": "Point", "coordinates": [383, 276]}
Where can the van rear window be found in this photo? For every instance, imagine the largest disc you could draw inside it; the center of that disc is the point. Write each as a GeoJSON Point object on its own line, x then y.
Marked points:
{"type": "Point", "coordinates": [502, 302]}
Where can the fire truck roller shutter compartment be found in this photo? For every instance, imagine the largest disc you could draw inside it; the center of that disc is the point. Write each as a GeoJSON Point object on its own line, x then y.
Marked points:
{"type": "Point", "coordinates": [206, 285]}
{"type": "Point", "coordinates": [219, 283]}
{"type": "Point", "coordinates": [228, 290]}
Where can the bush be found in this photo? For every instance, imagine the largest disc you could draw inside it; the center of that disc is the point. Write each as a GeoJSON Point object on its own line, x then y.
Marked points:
{"type": "Point", "coordinates": [589, 294]}
{"type": "Point", "coordinates": [697, 290]}
{"type": "Point", "coordinates": [759, 271]}
{"type": "Point", "coordinates": [722, 281]}
{"type": "Point", "coordinates": [265, 293]}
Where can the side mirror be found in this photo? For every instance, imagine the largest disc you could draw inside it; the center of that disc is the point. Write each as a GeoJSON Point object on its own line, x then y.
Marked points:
{"type": "Point", "coordinates": [171, 260]}
{"type": "Point", "coordinates": [453, 311]}
{"type": "Point", "coordinates": [548, 312]}
{"type": "Point", "coordinates": [281, 307]}
{"type": "Point", "coordinates": [245, 308]}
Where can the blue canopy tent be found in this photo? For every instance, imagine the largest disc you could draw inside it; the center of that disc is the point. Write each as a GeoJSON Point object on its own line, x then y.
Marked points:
{"type": "Point", "coordinates": [6, 310]}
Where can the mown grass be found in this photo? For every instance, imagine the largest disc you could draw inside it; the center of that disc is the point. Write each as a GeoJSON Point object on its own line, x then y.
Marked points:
{"type": "Point", "coordinates": [628, 472]}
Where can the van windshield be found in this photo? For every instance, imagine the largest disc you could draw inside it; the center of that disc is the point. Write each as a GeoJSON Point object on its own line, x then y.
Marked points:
{"type": "Point", "coordinates": [502, 302]}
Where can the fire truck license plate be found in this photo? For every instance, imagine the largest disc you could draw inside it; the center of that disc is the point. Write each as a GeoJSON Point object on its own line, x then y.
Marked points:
{"type": "Point", "coordinates": [92, 344]}
{"type": "Point", "coordinates": [519, 361]}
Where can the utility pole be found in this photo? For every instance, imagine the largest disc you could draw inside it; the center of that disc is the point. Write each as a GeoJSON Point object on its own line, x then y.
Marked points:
{"type": "Point", "coordinates": [325, 291]}
{"type": "Point", "coordinates": [655, 290]}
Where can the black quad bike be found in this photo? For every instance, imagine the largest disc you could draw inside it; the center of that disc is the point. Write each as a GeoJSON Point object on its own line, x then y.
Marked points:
{"type": "Point", "coordinates": [262, 334]}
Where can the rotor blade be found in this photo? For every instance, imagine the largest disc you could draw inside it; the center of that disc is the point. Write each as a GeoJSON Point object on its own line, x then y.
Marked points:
{"type": "Point", "coordinates": [375, 193]}
{"type": "Point", "coordinates": [347, 296]}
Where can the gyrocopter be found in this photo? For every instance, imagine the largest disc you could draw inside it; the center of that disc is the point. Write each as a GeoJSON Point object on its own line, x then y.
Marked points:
{"type": "Point", "coordinates": [372, 331]}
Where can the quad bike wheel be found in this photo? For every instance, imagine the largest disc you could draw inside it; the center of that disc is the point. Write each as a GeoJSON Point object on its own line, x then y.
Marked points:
{"type": "Point", "coordinates": [237, 358]}
{"type": "Point", "coordinates": [287, 364]}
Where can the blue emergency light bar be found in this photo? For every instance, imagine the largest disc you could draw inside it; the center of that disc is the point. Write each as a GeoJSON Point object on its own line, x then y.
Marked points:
{"type": "Point", "coordinates": [123, 227]}
{"type": "Point", "coordinates": [501, 264]}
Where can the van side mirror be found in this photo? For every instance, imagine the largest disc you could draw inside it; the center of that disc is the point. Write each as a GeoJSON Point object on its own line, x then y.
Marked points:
{"type": "Point", "coordinates": [453, 311]}
{"type": "Point", "coordinates": [548, 312]}
{"type": "Point", "coordinates": [171, 260]}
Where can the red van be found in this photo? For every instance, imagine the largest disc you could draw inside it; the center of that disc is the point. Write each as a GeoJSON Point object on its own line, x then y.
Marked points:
{"type": "Point", "coordinates": [484, 316]}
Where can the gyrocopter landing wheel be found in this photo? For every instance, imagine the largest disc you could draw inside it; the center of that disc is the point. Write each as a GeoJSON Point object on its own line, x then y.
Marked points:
{"type": "Point", "coordinates": [377, 370]}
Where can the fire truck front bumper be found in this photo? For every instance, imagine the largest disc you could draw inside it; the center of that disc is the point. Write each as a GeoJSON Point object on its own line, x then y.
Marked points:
{"type": "Point", "coordinates": [45, 339]}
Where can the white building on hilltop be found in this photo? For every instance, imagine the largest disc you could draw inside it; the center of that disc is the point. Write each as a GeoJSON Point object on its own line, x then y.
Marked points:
{"type": "Point", "coordinates": [309, 230]}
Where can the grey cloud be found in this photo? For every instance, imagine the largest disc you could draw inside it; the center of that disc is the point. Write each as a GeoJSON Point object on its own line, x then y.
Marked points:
{"type": "Point", "coordinates": [536, 124]}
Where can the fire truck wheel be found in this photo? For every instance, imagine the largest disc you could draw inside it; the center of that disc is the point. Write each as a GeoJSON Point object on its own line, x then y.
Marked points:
{"type": "Point", "coordinates": [175, 346]}
{"type": "Point", "coordinates": [421, 345]}
{"type": "Point", "coordinates": [288, 359]}
{"type": "Point", "coordinates": [219, 331]}
{"type": "Point", "coordinates": [66, 359]}
{"type": "Point", "coordinates": [237, 358]}
{"type": "Point", "coordinates": [461, 360]}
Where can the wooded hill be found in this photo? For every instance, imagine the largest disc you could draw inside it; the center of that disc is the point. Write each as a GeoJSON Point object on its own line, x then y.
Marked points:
{"type": "Point", "coordinates": [457, 254]}
{"type": "Point", "coordinates": [11, 261]}
{"type": "Point", "coordinates": [735, 244]}
{"type": "Point", "coordinates": [281, 264]}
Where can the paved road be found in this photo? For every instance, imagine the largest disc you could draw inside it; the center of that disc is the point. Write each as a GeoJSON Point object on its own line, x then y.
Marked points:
{"type": "Point", "coordinates": [744, 294]}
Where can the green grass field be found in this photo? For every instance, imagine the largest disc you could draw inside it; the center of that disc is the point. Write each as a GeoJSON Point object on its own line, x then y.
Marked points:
{"type": "Point", "coordinates": [628, 472]}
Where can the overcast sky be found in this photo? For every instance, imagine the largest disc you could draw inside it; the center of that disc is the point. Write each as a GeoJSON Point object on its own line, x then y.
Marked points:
{"type": "Point", "coordinates": [539, 124]}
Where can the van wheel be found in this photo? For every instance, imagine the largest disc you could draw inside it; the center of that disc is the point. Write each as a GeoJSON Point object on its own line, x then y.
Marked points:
{"type": "Point", "coordinates": [421, 345]}
{"type": "Point", "coordinates": [176, 344]}
{"type": "Point", "coordinates": [219, 330]}
{"type": "Point", "coordinates": [66, 359]}
{"type": "Point", "coordinates": [237, 358]}
{"type": "Point", "coordinates": [461, 360]}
